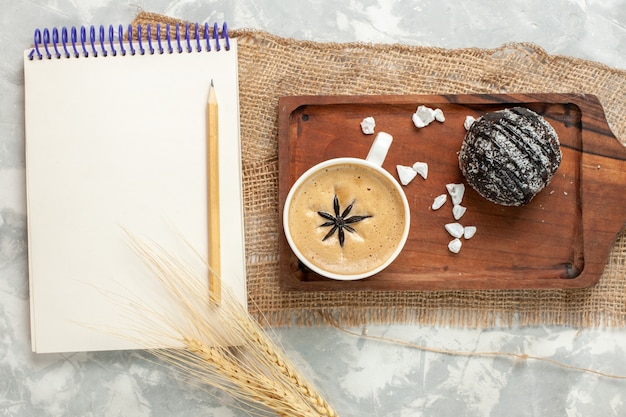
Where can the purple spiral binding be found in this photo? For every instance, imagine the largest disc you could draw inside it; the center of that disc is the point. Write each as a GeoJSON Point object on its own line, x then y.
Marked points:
{"type": "Point", "coordinates": [216, 37]}
{"type": "Point", "coordinates": [83, 39]}
{"type": "Point", "coordinates": [92, 40]}
{"type": "Point", "coordinates": [55, 42]}
{"type": "Point", "coordinates": [120, 31]}
{"type": "Point", "coordinates": [113, 51]}
{"type": "Point", "coordinates": [225, 36]}
{"type": "Point", "coordinates": [74, 40]}
{"type": "Point", "coordinates": [149, 37]}
{"type": "Point", "coordinates": [139, 40]}
{"type": "Point", "coordinates": [101, 38]}
{"type": "Point", "coordinates": [188, 37]}
{"type": "Point", "coordinates": [130, 40]}
{"type": "Point", "coordinates": [180, 48]}
{"type": "Point", "coordinates": [207, 36]}
{"type": "Point", "coordinates": [169, 39]}
{"type": "Point", "coordinates": [158, 30]}
{"type": "Point", "coordinates": [46, 41]}
{"type": "Point", "coordinates": [89, 42]}
{"type": "Point", "coordinates": [64, 41]}
{"type": "Point", "coordinates": [198, 46]}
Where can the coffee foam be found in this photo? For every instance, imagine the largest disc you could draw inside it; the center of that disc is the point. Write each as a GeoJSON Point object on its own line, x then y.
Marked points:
{"type": "Point", "coordinates": [375, 239]}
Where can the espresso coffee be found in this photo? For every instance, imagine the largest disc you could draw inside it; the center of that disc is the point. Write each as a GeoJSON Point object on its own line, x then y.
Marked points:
{"type": "Point", "coordinates": [347, 219]}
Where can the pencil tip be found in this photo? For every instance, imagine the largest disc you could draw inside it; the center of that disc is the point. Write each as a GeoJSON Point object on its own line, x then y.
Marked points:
{"type": "Point", "coordinates": [211, 82]}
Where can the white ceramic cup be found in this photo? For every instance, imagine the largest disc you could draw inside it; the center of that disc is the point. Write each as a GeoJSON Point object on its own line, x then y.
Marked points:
{"type": "Point", "coordinates": [374, 161]}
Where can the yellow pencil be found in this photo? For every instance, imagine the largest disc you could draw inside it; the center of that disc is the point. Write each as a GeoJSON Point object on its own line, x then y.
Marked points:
{"type": "Point", "coordinates": [213, 206]}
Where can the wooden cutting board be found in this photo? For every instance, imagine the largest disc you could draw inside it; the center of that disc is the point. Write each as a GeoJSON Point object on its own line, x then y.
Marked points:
{"type": "Point", "coordinates": [561, 239]}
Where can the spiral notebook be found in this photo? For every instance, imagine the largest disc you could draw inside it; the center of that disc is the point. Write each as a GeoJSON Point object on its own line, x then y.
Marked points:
{"type": "Point", "coordinates": [115, 142]}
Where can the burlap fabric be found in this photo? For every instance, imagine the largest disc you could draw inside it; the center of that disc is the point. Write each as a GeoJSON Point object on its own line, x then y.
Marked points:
{"type": "Point", "coordinates": [270, 67]}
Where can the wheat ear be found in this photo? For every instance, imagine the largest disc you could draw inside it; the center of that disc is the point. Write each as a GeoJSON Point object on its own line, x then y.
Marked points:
{"type": "Point", "coordinates": [222, 346]}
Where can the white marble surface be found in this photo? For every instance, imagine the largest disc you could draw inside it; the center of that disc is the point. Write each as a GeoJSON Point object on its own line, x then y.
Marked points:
{"type": "Point", "coordinates": [359, 377]}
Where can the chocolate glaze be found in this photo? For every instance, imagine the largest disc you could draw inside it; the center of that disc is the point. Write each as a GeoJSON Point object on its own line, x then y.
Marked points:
{"type": "Point", "coordinates": [508, 156]}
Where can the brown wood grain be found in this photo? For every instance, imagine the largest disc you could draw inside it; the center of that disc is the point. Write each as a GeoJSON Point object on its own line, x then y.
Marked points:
{"type": "Point", "coordinates": [561, 239]}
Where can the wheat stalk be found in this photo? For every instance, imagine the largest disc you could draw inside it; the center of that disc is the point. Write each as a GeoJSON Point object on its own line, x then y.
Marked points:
{"type": "Point", "coordinates": [222, 346]}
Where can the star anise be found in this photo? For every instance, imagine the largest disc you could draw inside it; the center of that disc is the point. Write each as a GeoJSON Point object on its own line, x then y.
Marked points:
{"type": "Point", "coordinates": [340, 222]}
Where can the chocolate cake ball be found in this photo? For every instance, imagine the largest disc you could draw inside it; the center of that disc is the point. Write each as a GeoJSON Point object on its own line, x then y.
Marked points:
{"type": "Point", "coordinates": [508, 156]}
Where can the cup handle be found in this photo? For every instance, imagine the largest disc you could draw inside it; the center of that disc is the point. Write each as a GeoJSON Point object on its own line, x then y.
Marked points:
{"type": "Point", "coordinates": [379, 149]}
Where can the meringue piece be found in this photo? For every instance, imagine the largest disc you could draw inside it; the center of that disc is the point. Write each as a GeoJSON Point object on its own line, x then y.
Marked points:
{"type": "Point", "coordinates": [417, 121]}
{"type": "Point", "coordinates": [406, 174]}
{"type": "Point", "coordinates": [469, 121]}
{"type": "Point", "coordinates": [367, 125]}
{"type": "Point", "coordinates": [439, 201]}
{"type": "Point", "coordinates": [438, 115]}
{"type": "Point", "coordinates": [458, 211]}
{"type": "Point", "coordinates": [469, 232]}
{"type": "Point", "coordinates": [424, 116]}
{"type": "Point", "coordinates": [455, 229]}
{"type": "Point", "coordinates": [455, 245]}
{"type": "Point", "coordinates": [456, 192]}
{"type": "Point", "coordinates": [421, 168]}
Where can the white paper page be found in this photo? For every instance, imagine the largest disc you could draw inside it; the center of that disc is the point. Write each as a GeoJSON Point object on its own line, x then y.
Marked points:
{"type": "Point", "coordinates": [113, 143]}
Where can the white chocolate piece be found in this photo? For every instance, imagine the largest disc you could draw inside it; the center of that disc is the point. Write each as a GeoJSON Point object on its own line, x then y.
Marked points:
{"type": "Point", "coordinates": [458, 211]}
{"type": "Point", "coordinates": [469, 121]}
{"type": "Point", "coordinates": [367, 125]}
{"type": "Point", "coordinates": [469, 232]}
{"type": "Point", "coordinates": [455, 245]}
{"type": "Point", "coordinates": [439, 201]}
{"type": "Point", "coordinates": [455, 229]}
{"type": "Point", "coordinates": [417, 121]}
{"type": "Point", "coordinates": [421, 168]}
{"type": "Point", "coordinates": [456, 192]}
{"type": "Point", "coordinates": [426, 114]}
{"type": "Point", "coordinates": [438, 115]}
{"type": "Point", "coordinates": [406, 174]}
{"type": "Point", "coordinates": [423, 116]}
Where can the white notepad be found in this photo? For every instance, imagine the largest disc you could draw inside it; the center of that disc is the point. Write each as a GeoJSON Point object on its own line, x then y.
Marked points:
{"type": "Point", "coordinates": [114, 143]}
